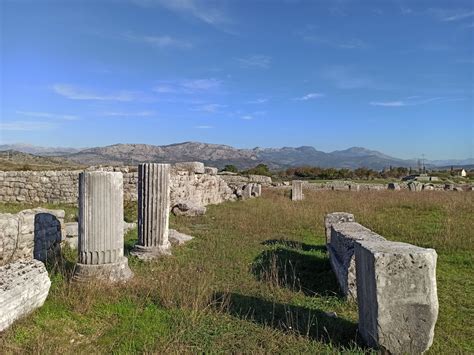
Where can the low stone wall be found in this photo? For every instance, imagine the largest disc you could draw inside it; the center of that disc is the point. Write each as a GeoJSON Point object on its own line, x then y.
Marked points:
{"type": "Point", "coordinates": [30, 233]}
{"type": "Point", "coordinates": [62, 186]}
{"type": "Point", "coordinates": [24, 286]}
{"type": "Point", "coordinates": [394, 285]}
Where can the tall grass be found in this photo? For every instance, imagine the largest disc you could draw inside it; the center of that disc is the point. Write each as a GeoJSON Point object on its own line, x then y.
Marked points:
{"type": "Point", "coordinates": [256, 278]}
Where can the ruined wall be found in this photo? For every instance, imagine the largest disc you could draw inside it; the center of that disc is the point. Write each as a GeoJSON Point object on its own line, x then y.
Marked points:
{"type": "Point", "coordinates": [62, 187]}
{"type": "Point", "coordinates": [394, 284]}
{"type": "Point", "coordinates": [30, 233]}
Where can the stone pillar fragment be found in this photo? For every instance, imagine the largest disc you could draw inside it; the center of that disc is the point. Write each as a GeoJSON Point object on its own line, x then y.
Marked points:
{"type": "Point", "coordinates": [153, 211]}
{"type": "Point", "coordinates": [297, 190]}
{"type": "Point", "coordinates": [397, 296]}
{"type": "Point", "coordinates": [247, 191]}
{"type": "Point", "coordinates": [24, 286]}
{"type": "Point", "coordinates": [100, 242]}
{"type": "Point", "coordinates": [257, 190]}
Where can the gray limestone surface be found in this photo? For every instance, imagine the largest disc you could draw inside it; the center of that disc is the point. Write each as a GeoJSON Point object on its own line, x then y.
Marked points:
{"type": "Point", "coordinates": [100, 246]}
{"type": "Point", "coordinates": [153, 210]}
{"type": "Point", "coordinates": [297, 190]}
{"type": "Point", "coordinates": [397, 295]}
{"type": "Point", "coordinates": [24, 286]}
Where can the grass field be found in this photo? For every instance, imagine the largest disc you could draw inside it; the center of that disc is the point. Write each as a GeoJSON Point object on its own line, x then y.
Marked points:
{"type": "Point", "coordinates": [256, 279]}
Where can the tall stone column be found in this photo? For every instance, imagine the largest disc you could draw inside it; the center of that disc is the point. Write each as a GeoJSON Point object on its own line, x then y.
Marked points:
{"type": "Point", "coordinates": [297, 190]}
{"type": "Point", "coordinates": [100, 244]}
{"type": "Point", "coordinates": [153, 211]}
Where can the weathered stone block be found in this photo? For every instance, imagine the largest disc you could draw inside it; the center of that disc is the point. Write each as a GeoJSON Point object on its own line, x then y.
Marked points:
{"type": "Point", "coordinates": [210, 171]}
{"type": "Point", "coordinates": [178, 238]}
{"type": "Point", "coordinates": [335, 218]}
{"type": "Point", "coordinates": [341, 253]}
{"type": "Point", "coordinates": [297, 190]}
{"type": "Point", "coordinates": [397, 295]}
{"type": "Point", "coordinates": [192, 167]}
{"type": "Point", "coordinates": [261, 179]}
{"type": "Point", "coordinates": [24, 286]}
{"type": "Point", "coordinates": [188, 209]}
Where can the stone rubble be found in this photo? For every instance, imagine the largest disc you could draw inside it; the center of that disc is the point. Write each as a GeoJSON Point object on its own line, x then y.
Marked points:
{"type": "Point", "coordinates": [24, 286]}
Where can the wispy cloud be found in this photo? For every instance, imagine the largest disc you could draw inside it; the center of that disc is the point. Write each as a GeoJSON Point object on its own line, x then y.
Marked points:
{"type": "Point", "coordinates": [26, 126]}
{"type": "Point", "coordinates": [77, 93]}
{"type": "Point", "coordinates": [119, 114]}
{"type": "Point", "coordinates": [163, 41]}
{"type": "Point", "coordinates": [198, 9]}
{"type": "Point", "coordinates": [204, 127]}
{"type": "Point", "coordinates": [48, 115]}
{"type": "Point", "coordinates": [209, 108]}
{"type": "Point", "coordinates": [451, 15]}
{"type": "Point", "coordinates": [413, 101]}
{"type": "Point", "coordinates": [187, 86]}
{"type": "Point", "coordinates": [310, 96]}
{"type": "Point", "coordinates": [253, 115]}
{"type": "Point", "coordinates": [258, 101]}
{"type": "Point", "coordinates": [255, 61]}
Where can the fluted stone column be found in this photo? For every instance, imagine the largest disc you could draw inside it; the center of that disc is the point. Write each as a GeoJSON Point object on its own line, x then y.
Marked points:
{"type": "Point", "coordinates": [100, 244]}
{"type": "Point", "coordinates": [297, 190]}
{"type": "Point", "coordinates": [153, 211]}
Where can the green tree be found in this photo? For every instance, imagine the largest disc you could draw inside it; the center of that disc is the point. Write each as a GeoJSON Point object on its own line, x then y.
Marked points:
{"type": "Point", "coordinates": [230, 168]}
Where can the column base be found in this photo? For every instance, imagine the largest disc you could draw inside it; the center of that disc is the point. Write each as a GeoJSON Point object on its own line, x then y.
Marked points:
{"type": "Point", "coordinates": [148, 253]}
{"type": "Point", "coordinates": [113, 272]}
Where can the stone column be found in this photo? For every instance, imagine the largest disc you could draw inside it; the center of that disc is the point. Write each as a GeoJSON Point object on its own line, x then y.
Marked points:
{"type": "Point", "coordinates": [100, 244]}
{"type": "Point", "coordinates": [153, 211]}
{"type": "Point", "coordinates": [297, 190]}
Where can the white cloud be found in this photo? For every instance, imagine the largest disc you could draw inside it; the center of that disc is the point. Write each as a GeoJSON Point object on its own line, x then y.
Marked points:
{"type": "Point", "coordinates": [187, 86]}
{"type": "Point", "coordinates": [163, 41]}
{"type": "Point", "coordinates": [388, 103]}
{"type": "Point", "coordinates": [26, 126]}
{"type": "Point", "coordinates": [76, 93]}
{"type": "Point", "coordinates": [310, 96]}
{"type": "Point", "coordinates": [199, 9]}
{"type": "Point", "coordinates": [459, 16]}
{"type": "Point", "coordinates": [48, 115]}
{"type": "Point", "coordinates": [247, 117]}
{"type": "Point", "coordinates": [413, 101]}
{"type": "Point", "coordinates": [255, 61]}
{"type": "Point", "coordinates": [209, 108]}
{"type": "Point", "coordinates": [204, 127]}
{"type": "Point", "coordinates": [257, 101]}
{"type": "Point", "coordinates": [128, 114]}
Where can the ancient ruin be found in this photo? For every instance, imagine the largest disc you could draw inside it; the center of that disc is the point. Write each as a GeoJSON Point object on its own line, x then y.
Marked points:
{"type": "Point", "coordinates": [24, 286]}
{"type": "Point", "coordinates": [297, 190]}
{"type": "Point", "coordinates": [153, 211]}
{"type": "Point", "coordinates": [100, 247]}
{"type": "Point", "coordinates": [394, 285]}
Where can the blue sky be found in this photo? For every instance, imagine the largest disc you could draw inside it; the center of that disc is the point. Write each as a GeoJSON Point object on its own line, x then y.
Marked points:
{"type": "Point", "coordinates": [396, 76]}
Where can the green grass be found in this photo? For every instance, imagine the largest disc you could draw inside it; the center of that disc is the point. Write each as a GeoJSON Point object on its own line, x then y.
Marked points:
{"type": "Point", "coordinates": [69, 209]}
{"type": "Point", "coordinates": [256, 278]}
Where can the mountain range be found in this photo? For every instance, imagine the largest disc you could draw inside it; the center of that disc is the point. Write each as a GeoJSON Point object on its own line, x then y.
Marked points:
{"type": "Point", "coordinates": [220, 155]}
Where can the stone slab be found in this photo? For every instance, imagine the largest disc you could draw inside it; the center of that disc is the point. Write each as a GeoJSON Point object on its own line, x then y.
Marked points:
{"type": "Point", "coordinates": [397, 295]}
{"type": "Point", "coordinates": [24, 286]}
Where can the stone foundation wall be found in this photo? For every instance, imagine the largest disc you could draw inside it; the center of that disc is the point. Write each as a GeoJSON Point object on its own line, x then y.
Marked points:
{"type": "Point", "coordinates": [62, 187]}
{"type": "Point", "coordinates": [30, 234]}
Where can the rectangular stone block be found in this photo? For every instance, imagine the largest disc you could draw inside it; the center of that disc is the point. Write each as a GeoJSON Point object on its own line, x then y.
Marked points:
{"type": "Point", "coordinates": [397, 295]}
{"type": "Point", "coordinates": [297, 190]}
{"type": "Point", "coordinates": [192, 167]}
{"type": "Point", "coordinates": [341, 253]}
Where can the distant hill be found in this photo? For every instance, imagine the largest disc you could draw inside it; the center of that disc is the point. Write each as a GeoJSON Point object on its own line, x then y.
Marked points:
{"type": "Point", "coordinates": [14, 160]}
{"type": "Point", "coordinates": [37, 150]}
{"type": "Point", "coordinates": [219, 155]}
